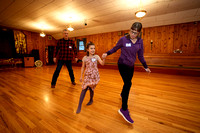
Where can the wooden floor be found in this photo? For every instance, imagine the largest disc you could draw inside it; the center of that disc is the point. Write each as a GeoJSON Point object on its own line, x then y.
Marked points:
{"type": "Point", "coordinates": [158, 103]}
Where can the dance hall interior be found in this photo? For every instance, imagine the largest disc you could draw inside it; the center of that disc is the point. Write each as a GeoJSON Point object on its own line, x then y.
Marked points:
{"type": "Point", "coordinates": [164, 100]}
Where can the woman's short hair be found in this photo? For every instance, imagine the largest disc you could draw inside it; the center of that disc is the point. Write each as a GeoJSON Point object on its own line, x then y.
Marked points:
{"type": "Point", "coordinates": [136, 26]}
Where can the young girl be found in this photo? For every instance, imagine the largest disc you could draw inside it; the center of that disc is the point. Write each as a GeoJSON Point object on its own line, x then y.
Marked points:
{"type": "Point", "coordinates": [91, 75]}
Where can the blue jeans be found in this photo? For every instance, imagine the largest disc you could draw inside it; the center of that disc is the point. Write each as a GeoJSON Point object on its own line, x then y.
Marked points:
{"type": "Point", "coordinates": [58, 68]}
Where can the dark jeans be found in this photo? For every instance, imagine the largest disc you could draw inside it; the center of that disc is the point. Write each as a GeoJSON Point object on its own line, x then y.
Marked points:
{"type": "Point", "coordinates": [58, 68]}
{"type": "Point", "coordinates": [126, 73]}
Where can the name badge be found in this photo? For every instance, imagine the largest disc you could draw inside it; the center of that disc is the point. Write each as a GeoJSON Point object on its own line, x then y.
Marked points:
{"type": "Point", "coordinates": [128, 44]}
{"type": "Point", "coordinates": [93, 59]}
{"type": "Point", "coordinates": [70, 46]}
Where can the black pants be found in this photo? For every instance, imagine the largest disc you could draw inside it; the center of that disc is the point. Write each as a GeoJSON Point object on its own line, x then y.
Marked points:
{"type": "Point", "coordinates": [126, 73]}
{"type": "Point", "coordinates": [58, 68]}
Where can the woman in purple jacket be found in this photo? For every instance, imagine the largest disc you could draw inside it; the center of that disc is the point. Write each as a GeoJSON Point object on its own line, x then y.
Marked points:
{"type": "Point", "coordinates": [130, 45]}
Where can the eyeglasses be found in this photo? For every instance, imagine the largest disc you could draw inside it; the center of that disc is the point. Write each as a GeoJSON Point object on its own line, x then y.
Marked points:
{"type": "Point", "coordinates": [135, 33]}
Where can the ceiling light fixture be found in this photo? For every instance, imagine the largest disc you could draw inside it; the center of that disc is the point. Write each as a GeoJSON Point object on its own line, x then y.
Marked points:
{"type": "Point", "coordinates": [42, 34]}
{"type": "Point", "coordinates": [141, 12]}
{"type": "Point", "coordinates": [70, 28]}
{"type": "Point", "coordinates": [70, 24]}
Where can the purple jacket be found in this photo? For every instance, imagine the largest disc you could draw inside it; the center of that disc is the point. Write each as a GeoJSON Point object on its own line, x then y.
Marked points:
{"type": "Point", "coordinates": [129, 51]}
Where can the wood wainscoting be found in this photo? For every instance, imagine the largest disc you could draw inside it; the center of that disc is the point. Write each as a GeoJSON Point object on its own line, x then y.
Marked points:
{"type": "Point", "coordinates": [172, 70]}
{"type": "Point", "coordinates": [173, 60]}
{"type": "Point", "coordinates": [175, 64]}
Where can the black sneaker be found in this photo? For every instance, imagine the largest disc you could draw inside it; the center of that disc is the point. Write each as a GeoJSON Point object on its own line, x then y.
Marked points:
{"type": "Point", "coordinates": [73, 83]}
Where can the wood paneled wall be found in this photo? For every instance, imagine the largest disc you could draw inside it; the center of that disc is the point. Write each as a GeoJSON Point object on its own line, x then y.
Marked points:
{"type": "Point", "coordinates": [161, 37]}
{"type": "Point", "coordinates": [159, 44]}
{"type": "Point", "coordinates": [34, 41]}
{"type": "Point", "coordinates": [165, 40]}
{"type": "Point", "coordinates": [103, 43]}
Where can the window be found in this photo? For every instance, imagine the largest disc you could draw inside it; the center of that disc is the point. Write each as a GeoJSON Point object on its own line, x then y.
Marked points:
{"type": "Point", "coordinates": [81, 45]}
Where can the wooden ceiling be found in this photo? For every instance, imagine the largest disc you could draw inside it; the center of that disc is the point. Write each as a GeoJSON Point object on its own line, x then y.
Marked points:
{"type": "Point", "coordinates": [52, 16]}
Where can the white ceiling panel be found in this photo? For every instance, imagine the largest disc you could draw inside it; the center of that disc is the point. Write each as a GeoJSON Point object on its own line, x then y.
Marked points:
{"type": "Point", "coordinates": [54, 15]}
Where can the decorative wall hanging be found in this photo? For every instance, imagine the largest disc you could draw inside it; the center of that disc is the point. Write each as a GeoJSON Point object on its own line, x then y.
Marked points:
{"type": "Point", "coordinates": [20, 42]}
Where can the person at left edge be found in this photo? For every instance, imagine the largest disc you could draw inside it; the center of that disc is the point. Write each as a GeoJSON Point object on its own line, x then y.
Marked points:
{"type": "Point", "coordinates": [65, 50]}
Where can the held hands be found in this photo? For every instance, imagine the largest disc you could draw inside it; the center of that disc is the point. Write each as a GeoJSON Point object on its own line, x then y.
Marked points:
{"type": "Point", "coordinates": [147, 70]}
{"type": "Point", "coordinates": [104, 55]}
{"type": "Point", "coordinates": [54, 60]}
{"type": "Point", "coordinates": [76, 59]}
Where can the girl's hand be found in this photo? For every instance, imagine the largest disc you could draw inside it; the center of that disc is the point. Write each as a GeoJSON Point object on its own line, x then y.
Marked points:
{"type": "Point", "coordinates": [80, 79]}
{"type": "Point", "coordinates": [76, 59]}
{"type": "Point", "coordinates": [147, 70]}
{"type": "Point", "coordinates": [104, 55]}
{"type": "Point", "coordinates": [54, 60]}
